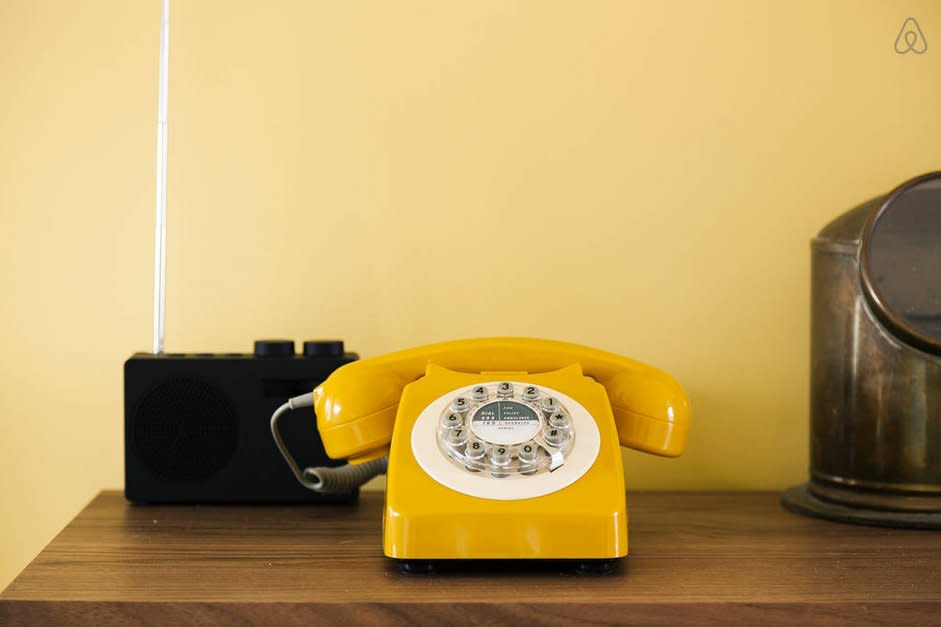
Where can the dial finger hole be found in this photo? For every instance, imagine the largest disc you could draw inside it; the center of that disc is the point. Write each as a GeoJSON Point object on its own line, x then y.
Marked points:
{"type": "Point", "coordinates": [452, 420]}
{"type": "Point", "coordinates": [456, 437]}
{"type": "Point", "coordinates": [558, 420]}
{"type": "Point", "coordinates": [549, 405]}
{"type": "Point", "coordinates": [474, 449]}
{"type": "Point", "coordinates": [460, 405]}
{"type": "Point", "coordinates": [500, 455]}
{"type": "Point", "coordinates": [528, 452]}
{"type": "Point", "coordinates": [480, 393]}
{"type": "Point", "coordinates": [556, 437]}
{"type": "Point", "coordinates": [530, 393]}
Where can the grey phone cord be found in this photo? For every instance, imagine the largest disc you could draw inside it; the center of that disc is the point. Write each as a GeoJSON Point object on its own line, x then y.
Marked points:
{"type": "Point", "coordinates": [324, 479]}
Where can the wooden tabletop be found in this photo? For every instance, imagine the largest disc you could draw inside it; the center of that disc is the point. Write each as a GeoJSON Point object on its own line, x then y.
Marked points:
{"type": "Point", "coordinates": [695, 558]}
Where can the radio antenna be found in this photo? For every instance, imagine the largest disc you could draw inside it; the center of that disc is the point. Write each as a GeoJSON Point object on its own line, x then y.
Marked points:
{"type": "Point", "coordinates": [160, 238]}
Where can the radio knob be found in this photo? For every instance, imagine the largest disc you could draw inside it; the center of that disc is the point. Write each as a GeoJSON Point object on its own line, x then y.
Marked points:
{"type": "Point", "coordinates": [323, 348]}
{"type": "Point", "coordinates": [274, 348]}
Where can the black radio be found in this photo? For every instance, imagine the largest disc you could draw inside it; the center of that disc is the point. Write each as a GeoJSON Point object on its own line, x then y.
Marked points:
{"type": "Point", "coordinates": [196, 426]}
{"type": "Point", "coordinates": [200, 428]}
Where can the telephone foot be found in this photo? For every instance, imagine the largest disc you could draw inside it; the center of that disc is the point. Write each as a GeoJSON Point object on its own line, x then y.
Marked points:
{"type": "Point", "coordinates": [417, 567]}
{"type": "Point", "coordinates": [596, 567]}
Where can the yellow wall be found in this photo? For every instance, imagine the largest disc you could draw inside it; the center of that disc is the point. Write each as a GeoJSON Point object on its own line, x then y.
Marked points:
{"type": "Point", "coordinates": [642, 177]}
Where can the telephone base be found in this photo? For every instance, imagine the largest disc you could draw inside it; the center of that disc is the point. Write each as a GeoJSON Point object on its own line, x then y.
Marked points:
{"type": "Point", "coordinates": [591, 567]}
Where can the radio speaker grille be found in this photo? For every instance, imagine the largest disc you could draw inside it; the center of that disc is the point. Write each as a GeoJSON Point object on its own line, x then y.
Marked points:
{"type": "Point", "coordinates": [185, 430]}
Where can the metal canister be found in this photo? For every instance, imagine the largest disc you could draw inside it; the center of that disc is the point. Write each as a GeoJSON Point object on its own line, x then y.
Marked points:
{"type": "Point", "coordinates": [875, 389]}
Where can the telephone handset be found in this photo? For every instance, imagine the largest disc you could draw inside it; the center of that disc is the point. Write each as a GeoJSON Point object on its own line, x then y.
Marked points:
{"type": "Point", "coordinates": [357, 404]}
{"type": "Point", "coordinates": [498, 447]}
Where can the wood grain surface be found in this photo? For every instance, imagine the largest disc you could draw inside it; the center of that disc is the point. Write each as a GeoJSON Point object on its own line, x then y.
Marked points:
{"type": "Point", "coordinates": [696, 558]}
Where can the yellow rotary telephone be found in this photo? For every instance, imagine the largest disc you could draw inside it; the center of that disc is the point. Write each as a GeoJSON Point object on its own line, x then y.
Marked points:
{"type": "Point", "coordinates": [498, 448]}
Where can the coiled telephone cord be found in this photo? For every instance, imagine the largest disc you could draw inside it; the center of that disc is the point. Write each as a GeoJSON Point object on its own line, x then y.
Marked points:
{"type": "Point", "coordinates": [324, 479]}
